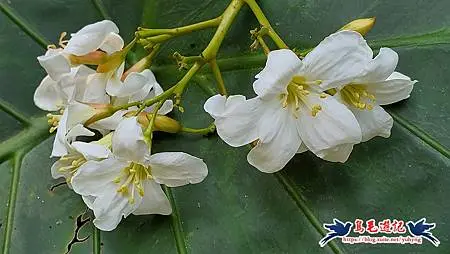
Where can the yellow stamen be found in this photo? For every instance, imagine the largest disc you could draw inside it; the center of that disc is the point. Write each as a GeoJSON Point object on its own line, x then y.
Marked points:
{"type": "Point", "coordinates": [358, 96]}
{"type": "Point", "coordinates": [134, 173]}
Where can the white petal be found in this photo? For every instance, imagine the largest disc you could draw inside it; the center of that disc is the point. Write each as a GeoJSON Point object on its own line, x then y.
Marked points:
{"type": "Point", "coordinates": [56, 166]}
{"type": "Point", "coordinates": [60, 143]}
{"type": "Point", "coordinates": [154, 200]}
{"type": "Point", "coordinates": [110, 123]}
{"type": "Point", "coordinates": [279, 141]}
{"type": "Point", "coordinates": [176, 168]}
{"type": "Point", "coordinates": [59, 147]}
{"type": "Point", "coordinates": [156, 90]}
{"type": "Point", "coordinates": [89, 201]}
{"type": "Point", "coordinates": [381, 67]}
{"type": "Point", "coordinates": [78, 130]}
{"type": "Point", "coordinates": [93, 91]}
{"type": "Point", "coordinates": [78, 113]}
{"type": "Point", "coordinates": [146, 91]}
{"type": "Point", "coordinates": [92, 177]}
{"type": "Point", "coordinates": [338, 153]}
{"type": "Point", "coordinates": [47, 96]}
{"type": "Point", "coordinates": [215, 105]}
{"type": "Point", "coordinates": [236, 118]}
{"type": "Point", "coordinates": [79, 81]}
{"type": "Point", "coordinates": [54, 63]}
{"type": "Point", "coordinates": [111, 207]}
{"type": "Point", "coordinates": [375, 122]}
{"type": "Point", "coordinates": [131, 85]}
{"type": "Point", "coordinates": [166, 108]}
{"type": "Point", "coordinates": [337, 59]}
{"type": "Point", "coordinates": [281, 65]}
{"type": "Point", "coordinates": [334, 125]}
{"type": "Point", "coordinates": [90, 37]}
{"type": "Point", "coordinates": [91, 151]}
{"type": "Point", "coordinates": [128, 141]}
{"type": "Point", "coordinates": [112, 43]}
{"type": "Point", "coordinates": [396, 88]}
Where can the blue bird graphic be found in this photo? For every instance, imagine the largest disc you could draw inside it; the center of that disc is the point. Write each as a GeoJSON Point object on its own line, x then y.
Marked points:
{"type": "Point", "coordinates": [422, 229]}
{"type": "Point", "coordinates": [337, 229]}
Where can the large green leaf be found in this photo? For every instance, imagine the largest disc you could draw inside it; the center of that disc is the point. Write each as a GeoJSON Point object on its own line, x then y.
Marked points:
{"type": "Point", "coordinates": [236, 209]}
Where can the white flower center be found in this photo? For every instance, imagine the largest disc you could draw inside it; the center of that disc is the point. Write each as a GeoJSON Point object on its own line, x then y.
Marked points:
{"type": "Point", "coordinates": [75, 161]}
{"type": "Point", "coordinates": [357, 95]}
{"type": "Point", "coordinates": [298, 92]}
{"type": "Point", "coordinates": [131, 179]}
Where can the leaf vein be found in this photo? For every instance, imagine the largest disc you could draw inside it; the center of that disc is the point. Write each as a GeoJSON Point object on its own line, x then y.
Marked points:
{"type": "Point", "coordinates": [100, 6]}
{"type": "Point", "coordinates": [416, 131]}
{"type": "Point", "coordinates": [301, 204]}
{"type": "Point", "coordinates": [10, 110]}
{"type": "Point", "coordinates": [26, 139]}
{"type": "Point", "coordinates": [24, 26]}
{"type": "Point", "coordinates": [16, 164]}
{"type": "Point", "coordinates": [180, 238]}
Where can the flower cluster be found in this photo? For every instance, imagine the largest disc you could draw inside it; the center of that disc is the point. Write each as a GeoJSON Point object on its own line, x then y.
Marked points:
{"type": "Point", "coordinates": [325, 103]}
{"type": "Point", "coordinates": [116, 174]}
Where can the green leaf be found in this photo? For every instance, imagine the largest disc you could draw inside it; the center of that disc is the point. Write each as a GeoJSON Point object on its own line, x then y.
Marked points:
{"type": "Point", "coordinates": [236, 209]}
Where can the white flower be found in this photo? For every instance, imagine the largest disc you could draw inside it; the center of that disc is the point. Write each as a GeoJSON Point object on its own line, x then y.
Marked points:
{"type": "Point", "coordinates": [291, 112]}
{"type": "Point", "coordinates": [129, 182]}
{"type": "Point", "coordinates": [378, 85]}
{"type": "Point", "coordinates": [70, 126]}
{"type": "Point", "coordinates": [78, 154]}
{"type": "Point", "coordinates": [136, 87]}
{"type": "Point", "coordinates": [53, 95]}
{"type": "Point", "coordinates": [102, 35]}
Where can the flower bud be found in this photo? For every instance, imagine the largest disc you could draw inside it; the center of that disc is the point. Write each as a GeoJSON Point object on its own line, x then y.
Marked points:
{"type": "Point", "coordinates": [166, 124]}
{"type": "Point", "coordinates": [162, 123]}
{"type": "Point", "coordinates": [362, 26]}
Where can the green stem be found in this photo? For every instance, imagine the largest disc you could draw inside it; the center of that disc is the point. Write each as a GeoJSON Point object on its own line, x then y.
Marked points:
{"type": "Point", "coordinates": [265, 23]}
{"type": "Point", "coordinates": [204, 131]}
{"type": "Point", "coordinates": [144, 32]}
{"type": "Point", "coordinates": [208, 55]}
{"type": "Point", "coordinates": [228, 17]}
{"type": "Point", "coordinates": [263, 44]}
{"type": "Point", "coordinates": [148, 134]}
{"type": "Point", "coordinates": [218, 76]}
